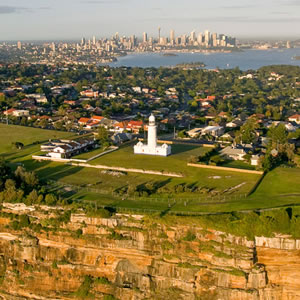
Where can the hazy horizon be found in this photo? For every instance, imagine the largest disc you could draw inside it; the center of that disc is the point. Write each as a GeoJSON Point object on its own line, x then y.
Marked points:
{"type": "Point", "coordinates": [72, 19]}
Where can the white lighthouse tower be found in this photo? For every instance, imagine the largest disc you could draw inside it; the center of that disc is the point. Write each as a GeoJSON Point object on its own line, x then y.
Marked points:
{"type": "Point", "coordinates": [152, 148]}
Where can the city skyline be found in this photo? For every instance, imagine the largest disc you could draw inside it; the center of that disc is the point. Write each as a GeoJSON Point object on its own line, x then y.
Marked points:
{"type": "Point", "coordinates": [66, 19]}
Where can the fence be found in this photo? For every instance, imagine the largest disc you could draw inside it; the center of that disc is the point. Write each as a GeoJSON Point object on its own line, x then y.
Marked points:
{"type": "Point", "coordinates": [167, 201]}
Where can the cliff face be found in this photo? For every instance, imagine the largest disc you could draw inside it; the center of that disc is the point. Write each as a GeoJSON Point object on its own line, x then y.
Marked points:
{"type": "Point", "coordinates": [129, 258]}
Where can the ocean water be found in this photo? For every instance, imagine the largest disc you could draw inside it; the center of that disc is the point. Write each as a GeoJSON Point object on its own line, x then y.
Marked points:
{"type": "Point", "coordinates": [246, 60]}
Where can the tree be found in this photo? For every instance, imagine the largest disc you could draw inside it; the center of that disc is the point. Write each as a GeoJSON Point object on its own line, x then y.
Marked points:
{"type": "Point", "coordinates": [278, 135]}
{"type": "Point", "coordinates": [247, 133]}
{"type": "Point", "coordinates": [50, 199]}
{"type": "Point", "coordinates": [102, 135]}
{"type": "Point", "coordinates": [32, 197]}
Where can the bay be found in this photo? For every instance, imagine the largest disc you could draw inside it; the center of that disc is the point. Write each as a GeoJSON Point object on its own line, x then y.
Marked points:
{"type": "Point", "coordinates": [246, 60]}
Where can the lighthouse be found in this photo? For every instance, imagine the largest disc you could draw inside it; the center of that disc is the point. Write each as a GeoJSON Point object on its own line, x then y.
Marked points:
{"type": "Point", "coordinates": [151, 148]}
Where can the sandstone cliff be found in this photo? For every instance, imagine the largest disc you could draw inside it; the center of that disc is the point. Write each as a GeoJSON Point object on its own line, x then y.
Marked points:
{"type": "Point", "coordinates": [130, 257]}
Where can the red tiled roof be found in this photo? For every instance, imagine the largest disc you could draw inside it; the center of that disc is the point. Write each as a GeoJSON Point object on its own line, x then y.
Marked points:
{"type": "Point", "coordinates": [97, 118]}
{"type": "Point", "coordinates": [297, 116]}
{"type": "Point", "coordinates": [83, 120]}
{"type": "Point", "coordinates": [135, 123]}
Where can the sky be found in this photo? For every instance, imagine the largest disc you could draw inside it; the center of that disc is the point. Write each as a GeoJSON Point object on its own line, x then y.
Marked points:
{"type": "Point", "coordinates": [73, 19]}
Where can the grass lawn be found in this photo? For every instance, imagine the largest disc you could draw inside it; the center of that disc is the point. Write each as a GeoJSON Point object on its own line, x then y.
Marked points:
{"type": "Point", "coordinates": [177, 162]}
{"type": "Point", "coordinates": [281, 184]}
{"type": "Point", "coordinates": [237, 164]}
{"type": "Point", "coordinates": [90, 154]}
{"type": "Point", "coordinates": [27, 135]}
{"type": "Point", "coordinates": [279, 187]}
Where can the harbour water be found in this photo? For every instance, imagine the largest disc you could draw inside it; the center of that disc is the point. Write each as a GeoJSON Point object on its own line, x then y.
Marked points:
{"type": "Point", "coordinates": [245, 60]}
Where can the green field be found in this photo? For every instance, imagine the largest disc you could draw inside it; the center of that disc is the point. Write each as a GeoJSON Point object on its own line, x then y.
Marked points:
{"type": "Point", "coordinates": [11, 133]}
{"type": "Point", "coordinates": [279, 187]}
{"type": "Point", "coordinates": [90, 154]}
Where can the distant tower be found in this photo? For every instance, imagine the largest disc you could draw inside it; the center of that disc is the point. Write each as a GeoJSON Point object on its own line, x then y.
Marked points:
{"type": "Point", "coordinates": [159, 29]}
{"type": "Point", "coordinates": [94, 40]}
{"type": "Point", "coordinates": [145, 37]}
{"type": "Point", "coordinates": [288, 45]}
{"type": "Point", "coordinates": [193, 36]}
{"type": "Point", "coordinates": [207, 38]}
{"type": "Point", "coordinates": [172, 36]}
{"type": "Point", "coordinates": [19, 45]}
{"type": "Point", "coordinates": [200, 39]}
{"type": "Point", "coordinates": [53, 48]}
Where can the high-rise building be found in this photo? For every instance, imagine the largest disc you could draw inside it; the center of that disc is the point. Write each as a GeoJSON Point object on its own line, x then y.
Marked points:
{"type": "Point", "coordinates": [159, 29]}
{"type": "Point", "coordinates": [207, 38]}
{"type": "Point", "coordinates": [133, 40]}
{"type": "Point", "coordinates": [53, 48]}
{"type": "Point", "coordinates": [214, 40]}
{"type": "Point", "coordinates": [145, 37]}
{"type": "Point", "coordinates": [172, 36]}
{"type": "Point", "coordinates": [193, 36]}
{"type": "Point", "coordinates": [200, 39]}
{"type": "Point", "coordinates": [94, 40]}
{"type": "Point", "coordinates": [83, 41]}
{"type": "Point", "coordinates": [183, 40]}
{"type": "Point", "coordinates": [19, 45]}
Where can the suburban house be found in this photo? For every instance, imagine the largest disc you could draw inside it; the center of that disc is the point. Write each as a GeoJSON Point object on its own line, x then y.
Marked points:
{"type": "Point", "coordinates": [90, 94]}
{"type": "Point", "coordinates": [234, 124]}
{"type": "Point", "coordinates": [16, 112]}
{"type": "Point", "coordinates": [295, 119]}
{"type": "Point", "coordinates": [135, 126]}
{"type": "Point", "coordinates": [193, 133]}
{"type": "Point", "coordinates": [254, 160]}
{"type": "Point", "coordinates": [119, 138]}
{"type": "Point", "coordinates": [67, 148]}
{"type": "Point", "coordinates": [215, 131]}
{"type": "Point", "coordinates": [235, 152]}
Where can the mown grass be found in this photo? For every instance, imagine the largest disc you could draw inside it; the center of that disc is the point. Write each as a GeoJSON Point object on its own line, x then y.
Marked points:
{"type": "Point", "coordinates": [11, 133]}
{"type": "Point", "coordinates": [280, 187]}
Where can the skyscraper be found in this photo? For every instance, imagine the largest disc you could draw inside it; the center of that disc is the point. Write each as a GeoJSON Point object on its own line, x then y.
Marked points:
{"type": "Point", "coordinates": [200, 39]}
{"type": "Point", "coordinates": [214, 40]}
{"type": "Point", "coordinates": [19, 45]}
{"type": "Point", "coordinates": [94, 40]}
{"type": "Point", "coordinates": [207, 38]}
{"type": "Point", "coordinates": [145, 37]}
{"type": "Point", "coordinates": [159, 29]}
{"type": "Point", "coordinates": [172, 36]}
{"type": "Point", "coordinates": [193, 36]}
{"type": "Point", "coordinates": [53, 48]}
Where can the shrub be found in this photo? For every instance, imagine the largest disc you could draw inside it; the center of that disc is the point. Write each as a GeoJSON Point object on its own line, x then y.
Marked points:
{"type": "Point", "coordinates": [84, 289]}
{"type": "Point", "coordinates": [166, 245]}
{"type": "Point", "coordinates": [102, 280]}
{"type": "Point", "coordinates": [190, 236]}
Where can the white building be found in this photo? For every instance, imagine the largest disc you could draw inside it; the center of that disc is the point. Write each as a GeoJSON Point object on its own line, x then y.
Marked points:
{"type": "Point", "coordinates": [152, 148]}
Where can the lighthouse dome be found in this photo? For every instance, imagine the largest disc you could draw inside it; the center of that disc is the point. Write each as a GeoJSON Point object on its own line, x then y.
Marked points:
{"type": "Point", "coordinates": [152, 119]}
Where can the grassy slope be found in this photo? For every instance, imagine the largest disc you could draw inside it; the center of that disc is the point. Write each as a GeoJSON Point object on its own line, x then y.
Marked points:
{"type": "Point", "coordinates": [26, 135]}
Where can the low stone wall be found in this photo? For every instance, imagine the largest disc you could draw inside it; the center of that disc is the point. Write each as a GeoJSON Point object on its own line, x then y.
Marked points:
{"type": "Point", "coordinates": [226, 169]}
{"type": "Point", "coordinates": [112, 149]}
{"type": "Point", "coordinates": [62, 160]}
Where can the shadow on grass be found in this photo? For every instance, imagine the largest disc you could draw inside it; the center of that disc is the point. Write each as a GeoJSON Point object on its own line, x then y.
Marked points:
{"type": "Point", "coordinates": [177, 149]}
